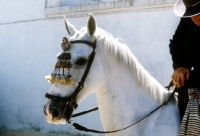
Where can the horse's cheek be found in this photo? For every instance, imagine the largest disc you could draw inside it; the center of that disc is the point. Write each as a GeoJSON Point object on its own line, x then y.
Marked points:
{"type": "Point", "coordinates": [97, 76]}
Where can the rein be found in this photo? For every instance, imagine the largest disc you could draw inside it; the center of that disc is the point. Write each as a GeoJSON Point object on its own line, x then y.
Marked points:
{"type": "Point", "coordinates": [81, 128]}
{"type": "Point", "coordinates": [70, 103]}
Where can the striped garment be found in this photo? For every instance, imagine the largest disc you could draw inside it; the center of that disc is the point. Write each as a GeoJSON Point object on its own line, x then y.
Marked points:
{"type": "Point", "coordinates": [190, 125]}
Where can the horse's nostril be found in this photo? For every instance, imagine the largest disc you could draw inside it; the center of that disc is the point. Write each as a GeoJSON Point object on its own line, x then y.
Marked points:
{"type": "Point", "coordinates": [54, 113]}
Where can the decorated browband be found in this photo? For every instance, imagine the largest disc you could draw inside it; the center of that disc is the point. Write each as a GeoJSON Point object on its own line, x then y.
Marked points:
{"type": "Point", "coordinates": [62, 63]}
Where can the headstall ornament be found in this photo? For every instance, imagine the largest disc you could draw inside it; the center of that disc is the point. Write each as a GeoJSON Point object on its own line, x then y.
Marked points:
{"type": "Point", "coordinates": [62, 63]}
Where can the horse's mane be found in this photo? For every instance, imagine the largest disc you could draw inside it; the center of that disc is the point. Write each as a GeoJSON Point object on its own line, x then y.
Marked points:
{"type": "Point", "coordinates": [142, 78]}
{"type": "Point", "coordinates": [121, 51]}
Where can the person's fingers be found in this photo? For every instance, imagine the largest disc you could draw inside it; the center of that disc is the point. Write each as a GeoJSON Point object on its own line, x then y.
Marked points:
{"type": "Point", "coordinates": [173, 82]}
{"type": "Point", "coordinates": [182, 79]}
{"type": "Point", "coordinates": [174, 78]}
{"type": "Point", "coordinates": [178, 79]}
{"type": "Point", "coordinates": [178, 86]}
{"type": "Point", "coordinates": [179, 76]}
{"type": "Point", "coordinates": [187, 73]}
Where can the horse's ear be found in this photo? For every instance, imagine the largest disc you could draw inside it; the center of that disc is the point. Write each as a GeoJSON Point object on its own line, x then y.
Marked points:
{"type": "Point", "coordinates": [69, 27]}
{"type": "Point", "coordinates": [91, 25]}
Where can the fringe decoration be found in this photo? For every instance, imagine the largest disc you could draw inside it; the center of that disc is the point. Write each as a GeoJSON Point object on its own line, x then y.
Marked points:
{"type": "Point", "coordinates": [69, 80]}
{"type": "Point", "coordinates": [63, 62]}
{"type": "Point", "coordinates": [58, 78]}
{"type": "Point", "coordinates": [63, 81]}
{"type": "Point", "coordinates": [50, 78]}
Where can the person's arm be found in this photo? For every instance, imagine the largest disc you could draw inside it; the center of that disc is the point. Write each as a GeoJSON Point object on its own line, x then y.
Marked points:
{"type": "Point", "coordinates": [177, 47]}
{"type": "Point", "coordinates": [177, 50]}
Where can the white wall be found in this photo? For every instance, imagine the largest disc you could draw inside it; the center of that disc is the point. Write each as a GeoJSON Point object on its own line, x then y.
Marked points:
{"type": "Point", "coordinates": [20, 10]}
{"type": "Point", "coordinates": [29, 42]}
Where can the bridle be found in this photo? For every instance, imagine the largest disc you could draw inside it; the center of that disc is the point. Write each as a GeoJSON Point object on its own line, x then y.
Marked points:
{"type": "Point", "coordinates": [70, 102]}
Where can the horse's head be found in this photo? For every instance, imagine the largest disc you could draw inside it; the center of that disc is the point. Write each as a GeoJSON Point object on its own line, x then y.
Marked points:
{"type": "Point", "coordinates": [77, 73]}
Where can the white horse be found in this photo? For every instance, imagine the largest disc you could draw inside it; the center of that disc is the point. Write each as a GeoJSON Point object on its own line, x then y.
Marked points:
{"type": "Point", "coordinates": [125, 91]}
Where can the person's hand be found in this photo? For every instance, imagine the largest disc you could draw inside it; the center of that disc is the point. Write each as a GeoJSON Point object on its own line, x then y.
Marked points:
{"type": "Point", "coordinates": [179, 76]}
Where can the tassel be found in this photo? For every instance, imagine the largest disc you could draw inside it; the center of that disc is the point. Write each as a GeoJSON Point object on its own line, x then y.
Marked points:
{"type": "Point", "coordinates": [50, 78]}
{"type": "Point", "coordinates": [69, 80]}
{"type": "Point", "coordinates": [63, 81]}
{"type": "Point", "coordinates": [58, 78]}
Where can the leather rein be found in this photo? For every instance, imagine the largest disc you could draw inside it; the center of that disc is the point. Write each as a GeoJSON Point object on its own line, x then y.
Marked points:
{"type": "Point", "coordinates": [70, 102]}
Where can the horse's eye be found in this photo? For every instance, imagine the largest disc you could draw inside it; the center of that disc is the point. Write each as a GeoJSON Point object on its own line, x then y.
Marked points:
{"type": "Point", "coordinates": [80, 61]}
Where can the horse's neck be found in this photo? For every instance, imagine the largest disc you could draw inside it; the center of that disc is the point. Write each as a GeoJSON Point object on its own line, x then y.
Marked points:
{"type": "Point", "coordinates": [123, 99]}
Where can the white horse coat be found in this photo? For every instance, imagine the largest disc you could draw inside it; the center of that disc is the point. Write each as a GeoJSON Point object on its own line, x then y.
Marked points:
{"type": "Point", "coordinates": [125, 91]}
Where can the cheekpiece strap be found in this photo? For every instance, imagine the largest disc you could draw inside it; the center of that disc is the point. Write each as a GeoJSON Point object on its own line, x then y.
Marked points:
{"type": "Point", "coordinates": [91, 58]}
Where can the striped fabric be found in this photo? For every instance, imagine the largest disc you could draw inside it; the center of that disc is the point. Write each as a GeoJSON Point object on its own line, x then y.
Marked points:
{"type": "Point", "coordinates": [190, 125]}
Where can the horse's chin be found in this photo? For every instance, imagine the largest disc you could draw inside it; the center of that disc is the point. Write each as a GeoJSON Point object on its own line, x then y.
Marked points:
{"type": "Point", "coordinates": [55, 121]}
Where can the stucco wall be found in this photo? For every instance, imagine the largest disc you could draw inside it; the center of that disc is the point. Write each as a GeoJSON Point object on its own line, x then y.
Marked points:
{"type": "Point", "coordinates": [29, 42]}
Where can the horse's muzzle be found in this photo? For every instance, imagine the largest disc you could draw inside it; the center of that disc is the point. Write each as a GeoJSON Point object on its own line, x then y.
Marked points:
{"type": "Point", "coordinates": [58, 110]}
